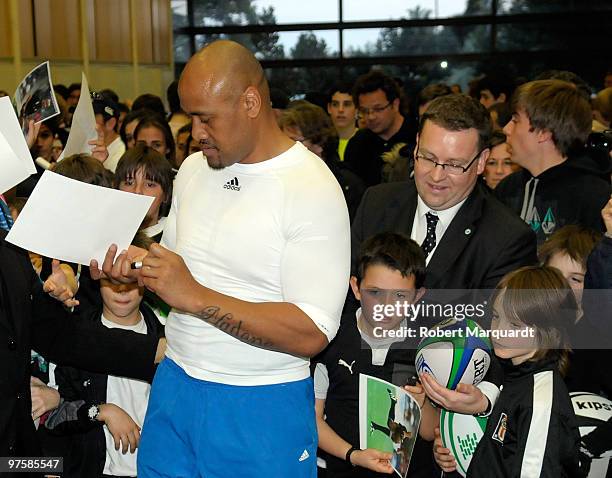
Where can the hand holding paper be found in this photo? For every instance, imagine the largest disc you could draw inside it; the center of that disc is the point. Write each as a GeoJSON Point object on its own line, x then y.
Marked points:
{"type": "Point", "coordinates": [372, 459]}
{"type": "Point", "coordinates": [75, 222]}
{"type": "Point", "coordinates": [99, 151]}
{"type": "Point", "coordinates": [33, 129]}
{"type": "Point", "coordinates": [118, 269]}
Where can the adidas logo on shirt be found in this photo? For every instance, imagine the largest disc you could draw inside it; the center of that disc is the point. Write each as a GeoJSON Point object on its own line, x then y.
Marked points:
{"type": "Point", "coordinates": [233, 185]}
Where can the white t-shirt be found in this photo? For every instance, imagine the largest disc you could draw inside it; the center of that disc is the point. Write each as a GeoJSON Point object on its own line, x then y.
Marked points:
{"type": "Point", "coordinates": [274, 231]}
{"type": "Point", "coordinates": [132, 396]}
{"type": "Point", "coordinates": [115, 151]}
{"type": "Point", "coordinates": [155, 228]}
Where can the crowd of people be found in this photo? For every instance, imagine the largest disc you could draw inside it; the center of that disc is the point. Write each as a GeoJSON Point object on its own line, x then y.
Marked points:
{"type": "Point", "coordinates": [234, 347]}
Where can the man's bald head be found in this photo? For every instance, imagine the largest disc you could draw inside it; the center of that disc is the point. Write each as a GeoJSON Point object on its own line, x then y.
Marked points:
{"type": "Point", "coordinates": [225, 69]}
{"type": "Point", "coordinates": [224, 90]}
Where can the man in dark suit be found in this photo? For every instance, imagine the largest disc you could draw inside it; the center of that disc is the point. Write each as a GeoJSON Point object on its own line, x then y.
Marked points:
{"type": "Point", "coordinates": [470, 239]}
{"type": "Point", "coordinates": [30, 319]}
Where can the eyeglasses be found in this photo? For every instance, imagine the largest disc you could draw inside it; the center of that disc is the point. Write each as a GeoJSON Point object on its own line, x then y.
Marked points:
{"type": "Point", "coordinates": [454, 169]}
{"type": "Point", "coordinates": [375, 110]}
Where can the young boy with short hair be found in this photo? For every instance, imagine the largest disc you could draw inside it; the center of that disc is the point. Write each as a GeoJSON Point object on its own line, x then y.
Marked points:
{"type": "Point", "coordinates": [391, 269]}
{"type": "Point", "coordinates": [103, 414]}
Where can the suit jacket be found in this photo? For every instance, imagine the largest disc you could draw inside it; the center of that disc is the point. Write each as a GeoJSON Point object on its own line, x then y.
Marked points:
{"type": "Point", "coordinates": [484, 241]}
{"type": "Point", "coordinates": [30, 319]}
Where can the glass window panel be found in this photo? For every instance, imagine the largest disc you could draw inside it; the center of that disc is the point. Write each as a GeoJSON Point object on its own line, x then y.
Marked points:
{"type": "Point", "coordinates": [550, 6]}
{"type": "Point", "coordinates": [182, 48]}
{"type": "Point", "coordinates": [363, 10]}
{"type": "Point", "coordinates": [416, 40]}
{"type": "Point", "coordinates": [559, 36]}
{"type": "Point", "coordinates": [179, 13]}
{"type": "Point", "coordinates": [283, 45]}
{"type": "Point", "coordinates": [312, 11]}
{"type": "Point", "coordinates": [317, 44]}
{"type": "Point", "coordinates": [250, 12]}
{"type": "Point", "coordinates": [296, 82]}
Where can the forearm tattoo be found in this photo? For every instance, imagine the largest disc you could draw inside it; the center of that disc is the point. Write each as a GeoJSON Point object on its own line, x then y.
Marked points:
{"type": "Point", "coordinates": [228, 324]}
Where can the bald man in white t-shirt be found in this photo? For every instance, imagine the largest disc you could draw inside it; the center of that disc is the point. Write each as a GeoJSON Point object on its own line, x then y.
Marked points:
{"type": "Point", "coordinates": [255, 262]}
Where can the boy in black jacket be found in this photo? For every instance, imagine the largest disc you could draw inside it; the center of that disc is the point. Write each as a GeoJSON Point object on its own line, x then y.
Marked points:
{"type": "Point", "coordinates": [103, 414]}
{"type": "Point", "coordinates": [391, 269]}
{"type": "Point", "coordinates": [560, 184]}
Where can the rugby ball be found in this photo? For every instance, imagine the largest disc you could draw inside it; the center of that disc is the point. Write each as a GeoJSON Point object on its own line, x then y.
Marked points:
{"type": "Point", "coordinates": [460, 434]}
{"type": "Point", "coordinates": [591, 411]}
{"type": "Point", "coordinates": [453, 352]}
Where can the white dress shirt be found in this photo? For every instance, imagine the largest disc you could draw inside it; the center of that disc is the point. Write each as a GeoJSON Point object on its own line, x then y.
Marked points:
{"type": "Point", "coordinates": [419, 224]}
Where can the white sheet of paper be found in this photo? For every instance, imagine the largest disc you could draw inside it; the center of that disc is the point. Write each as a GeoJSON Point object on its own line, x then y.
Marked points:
{"type": "Point", "coordinates": [83, 126]}
{"type": "Point", "coordinates": [9, 127]}
{"type": "Point", "coordinates": [75, 222]}
{"type": "Point", "coordinates": [12, 170]}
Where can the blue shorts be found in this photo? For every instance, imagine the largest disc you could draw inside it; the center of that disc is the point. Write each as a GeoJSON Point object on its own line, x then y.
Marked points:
{"type": "Point", "coordinates": [194, 428]}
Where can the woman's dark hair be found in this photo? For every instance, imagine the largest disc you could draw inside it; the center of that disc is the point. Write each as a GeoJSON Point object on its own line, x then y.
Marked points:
{"type": "Point", "coordinates": [497, 137]}
{"type": "Point", "coordinates": [132, 116]}
{"type": "Point", "coordinates": [154, 167]}
{"type": "Point", "coordinates": [149, 102]}
{"type": "Point", "coordinates": [162, 125]}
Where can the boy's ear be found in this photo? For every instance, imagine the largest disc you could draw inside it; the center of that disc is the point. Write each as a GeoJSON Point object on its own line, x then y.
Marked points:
{"type": "Point", "coordinates": [544, 135]}
{"type": "Point", "coordinates": [355, 288]}
{"type": "Point", "coordinates": [419, 294]}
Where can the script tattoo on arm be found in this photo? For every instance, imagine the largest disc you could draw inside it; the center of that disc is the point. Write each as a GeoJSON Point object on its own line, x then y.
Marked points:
{"type": "Point", "coordinates": [227, 323]}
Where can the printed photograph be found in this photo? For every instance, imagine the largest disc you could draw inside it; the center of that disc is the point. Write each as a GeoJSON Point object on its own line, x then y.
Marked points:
{"type": "Point", "coordinates": [34, 97]}
{"type": "Point", "coordinates": [389, 420]}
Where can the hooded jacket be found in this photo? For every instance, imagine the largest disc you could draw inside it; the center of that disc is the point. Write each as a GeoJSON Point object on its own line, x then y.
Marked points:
{"type": "Point", "coordinates": [573, 192]}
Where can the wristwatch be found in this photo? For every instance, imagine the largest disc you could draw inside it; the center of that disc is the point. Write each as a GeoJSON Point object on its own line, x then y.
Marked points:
{"type": "Point", "coordinates": [93, 413]}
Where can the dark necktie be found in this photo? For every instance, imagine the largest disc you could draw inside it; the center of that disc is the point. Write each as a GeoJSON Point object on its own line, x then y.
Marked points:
{"type": "Point", "coordinates": [430, 239]}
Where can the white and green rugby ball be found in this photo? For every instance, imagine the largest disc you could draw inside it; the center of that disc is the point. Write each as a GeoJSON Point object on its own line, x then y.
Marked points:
{"type": "Point", "coordinates": [455, 351]}
{"type": "Point", "coordinates": [460, 434]}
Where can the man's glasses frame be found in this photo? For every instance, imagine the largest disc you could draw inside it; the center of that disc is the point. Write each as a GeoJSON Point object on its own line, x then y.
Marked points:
{"type": "Point", "coordinates": [375, 110]}
{"type": "Point", "coordinates": [454, 169]}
